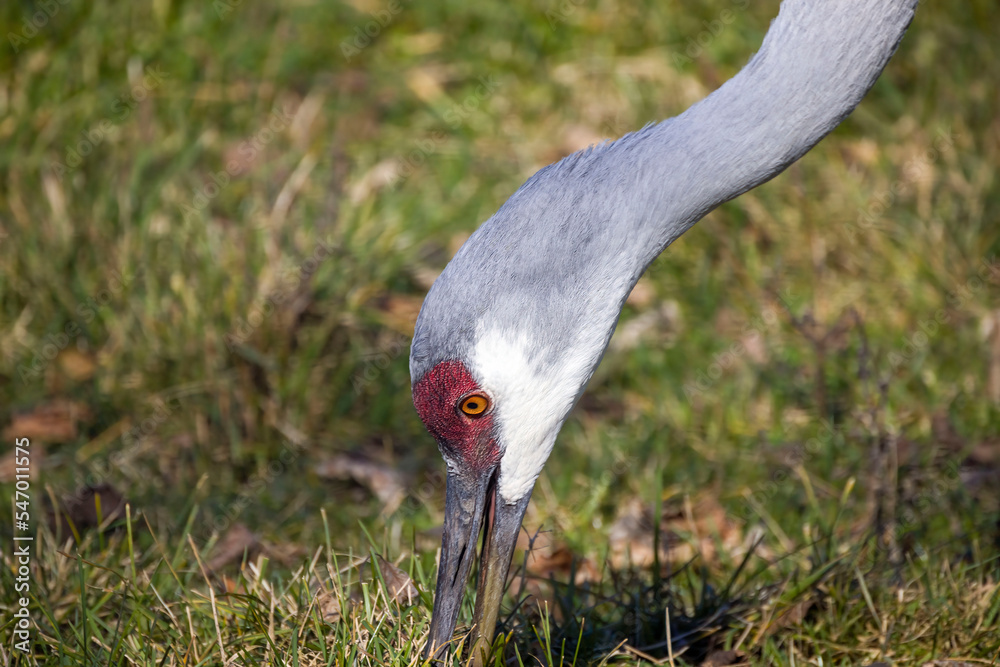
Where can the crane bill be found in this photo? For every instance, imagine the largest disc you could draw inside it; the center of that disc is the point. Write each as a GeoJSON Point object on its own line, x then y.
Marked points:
{"type": "Point", "coordinates": [464, 508]}
{"type": "Point", "coordinates": [473, 505]}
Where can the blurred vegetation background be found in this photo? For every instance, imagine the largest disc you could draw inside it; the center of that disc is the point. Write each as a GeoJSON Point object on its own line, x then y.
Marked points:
{"type": "Point", "coordinates": [217, 224]}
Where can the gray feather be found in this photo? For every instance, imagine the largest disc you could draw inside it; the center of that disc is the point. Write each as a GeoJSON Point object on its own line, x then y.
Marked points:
{"type": "Point", "coordinates": [558, 259]}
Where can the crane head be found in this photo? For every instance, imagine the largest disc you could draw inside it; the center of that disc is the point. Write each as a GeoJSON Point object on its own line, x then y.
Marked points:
{"type": "Point", "coordinates": [494, 449]}
{"type": "Point", "coordinates": [460, 414]}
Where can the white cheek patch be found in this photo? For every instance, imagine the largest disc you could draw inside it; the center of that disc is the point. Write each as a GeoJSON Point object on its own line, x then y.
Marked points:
{"type": "Point", "coordinates": [530, 404]}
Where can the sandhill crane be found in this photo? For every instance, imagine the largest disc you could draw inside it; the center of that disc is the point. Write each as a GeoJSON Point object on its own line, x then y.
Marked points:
{"type": "Point", "coordinates": [512, 330]}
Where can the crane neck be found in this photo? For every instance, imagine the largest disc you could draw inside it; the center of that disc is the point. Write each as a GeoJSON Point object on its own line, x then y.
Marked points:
{"type": "Point", "coordinates": [532, 298]}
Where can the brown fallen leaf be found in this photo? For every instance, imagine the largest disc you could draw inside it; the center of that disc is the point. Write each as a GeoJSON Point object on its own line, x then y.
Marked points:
{"type": "Point", "coordinates": [56, 421]}
{"type": "Point", "coordinates": [399, 583]}
{"type": "Point", "coordinates": [382, 480]}
{"type": "Point", "coordinates": [230, 549]}
{"type": "Point", "coordinates": [329, 606]}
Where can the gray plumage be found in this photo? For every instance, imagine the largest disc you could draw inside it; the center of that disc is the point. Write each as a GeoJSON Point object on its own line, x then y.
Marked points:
{"type": "Point", "coordinates": [562, 254]}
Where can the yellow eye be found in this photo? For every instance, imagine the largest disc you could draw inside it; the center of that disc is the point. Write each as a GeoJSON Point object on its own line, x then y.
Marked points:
{"type": "Point", "coordinates": [474, 404]}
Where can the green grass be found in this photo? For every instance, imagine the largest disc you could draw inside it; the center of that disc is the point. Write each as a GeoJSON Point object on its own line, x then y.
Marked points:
{"type": "Point", "coordinates": [217, 220]}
